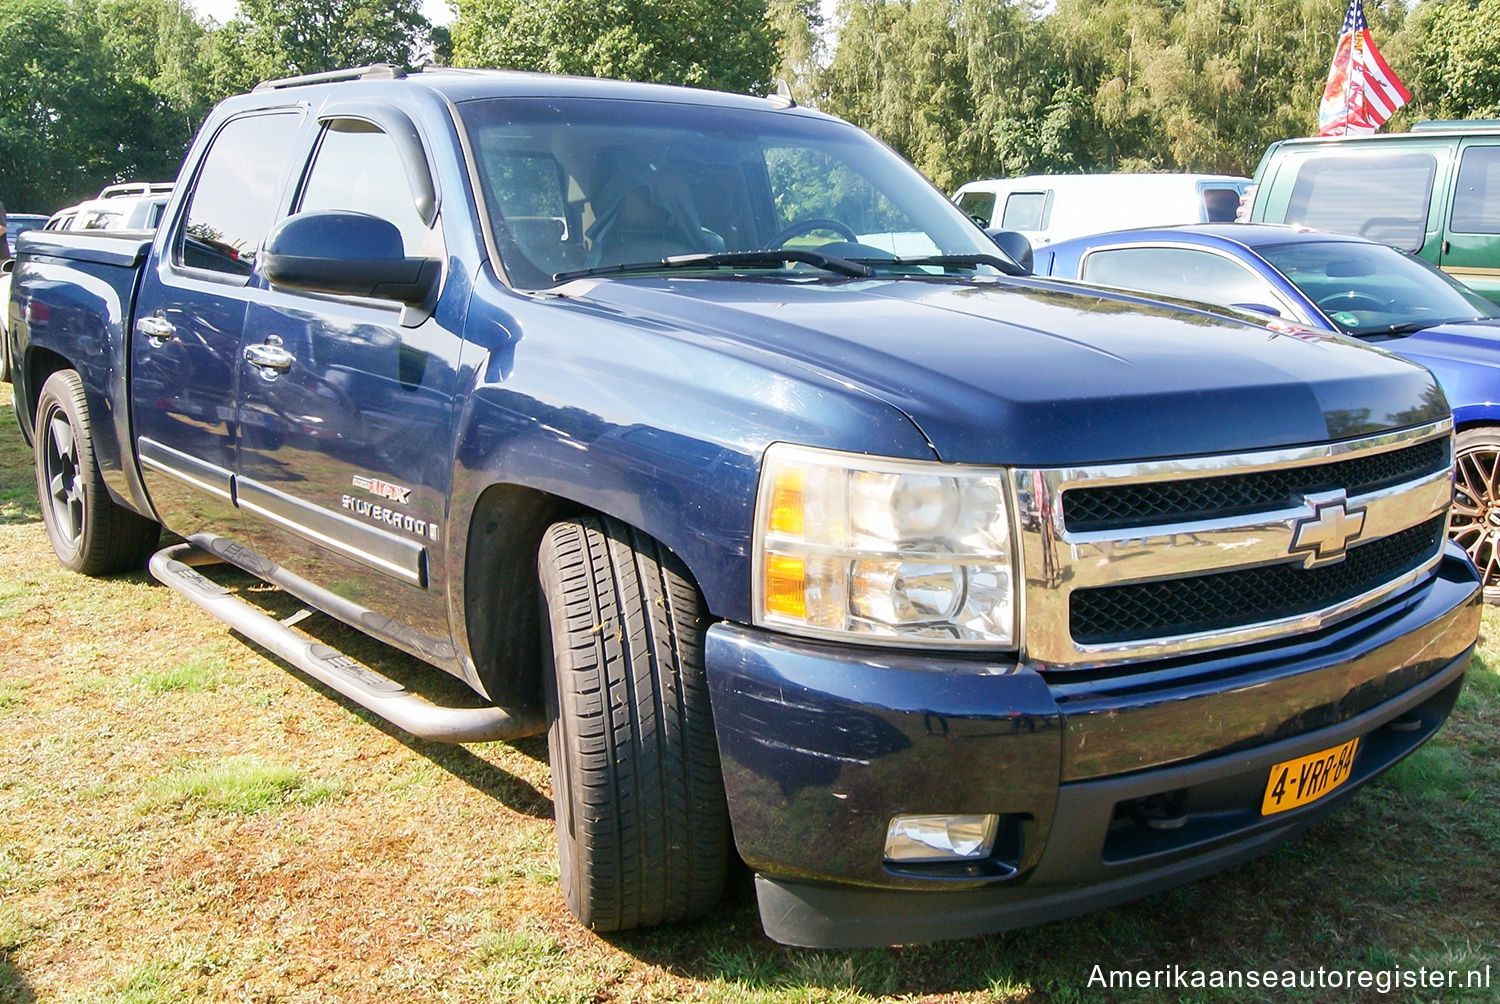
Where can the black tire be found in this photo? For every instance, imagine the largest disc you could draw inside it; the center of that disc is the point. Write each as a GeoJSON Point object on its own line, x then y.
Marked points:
{"type": "Point", "coordinates": [1475, 524]}
{"type": "Point", "coordinates": [90, 532]}
{"type": "Point", "coordinates": [642, 825]}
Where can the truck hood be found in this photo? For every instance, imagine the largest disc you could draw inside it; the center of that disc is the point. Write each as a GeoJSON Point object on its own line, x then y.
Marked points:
{"type": "Point", "coordinates": [1037, 374]}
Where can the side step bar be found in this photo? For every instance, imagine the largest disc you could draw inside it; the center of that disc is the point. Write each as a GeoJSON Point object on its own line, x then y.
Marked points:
{"type": "Point", "coordinates": [172, 566]}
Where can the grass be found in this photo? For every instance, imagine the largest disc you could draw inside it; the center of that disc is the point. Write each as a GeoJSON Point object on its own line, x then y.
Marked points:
{"type": "Point", "coordinates": [184, 819]}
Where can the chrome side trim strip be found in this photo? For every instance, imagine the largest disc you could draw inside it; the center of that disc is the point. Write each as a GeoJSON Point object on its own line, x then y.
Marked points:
{"type": "Point", "coordinates": [405, 559]}
{"type": "Point", "coordinates": [188, 470]}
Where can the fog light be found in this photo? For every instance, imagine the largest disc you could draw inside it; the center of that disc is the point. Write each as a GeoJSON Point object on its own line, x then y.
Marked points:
{"type": "Point", "coordinates": [940, 838]}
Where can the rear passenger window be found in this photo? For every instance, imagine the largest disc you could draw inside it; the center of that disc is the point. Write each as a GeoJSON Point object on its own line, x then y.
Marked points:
{"type": "Point", "coordinates": [1476, 203]}
{"type": "Point", "coordinates": [1382, 198]}
{"type": "Point", "coordinates": [1025, 211]}
{"type": "Point", "coordinates": [358, 168]}
{"type": "Point", "coordinates": [234, 198]}
{"type": "Point", "coordinates": [1181, 272]}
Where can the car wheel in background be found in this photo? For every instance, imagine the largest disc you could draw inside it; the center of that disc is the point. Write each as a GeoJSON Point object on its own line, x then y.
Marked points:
{"type": "Point", "coordinates": [1476, 502]}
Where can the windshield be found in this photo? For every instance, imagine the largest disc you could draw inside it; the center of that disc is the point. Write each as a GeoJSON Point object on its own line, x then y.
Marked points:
{"type": "Point", "coordinates": [1369, 289]}
{"type": "Point", "coordinates": [573, 184]}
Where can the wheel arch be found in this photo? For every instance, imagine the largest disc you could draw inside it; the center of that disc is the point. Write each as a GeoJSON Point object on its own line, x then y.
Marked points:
{"type": "Point", "coordinates": [1476, 417]}
{"type": "Point", "coordinates": [39, 364]}
{"type": "Point", "coordinates": [499, 606]}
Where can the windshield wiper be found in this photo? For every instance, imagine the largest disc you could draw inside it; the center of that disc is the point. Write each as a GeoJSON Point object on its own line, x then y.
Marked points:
{"type": "Point", "coordinates": [1412, 326]}
{"type": "Point", "coordinates": [728, 259]}
{"type": "Point", "coordinates": [949, 260]}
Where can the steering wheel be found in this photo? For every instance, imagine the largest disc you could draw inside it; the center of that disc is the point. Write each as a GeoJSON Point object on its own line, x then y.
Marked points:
{"type": "Point", "coordinates": [812, 224]}
{"type": "Point", "coordinates": [1350, 301]}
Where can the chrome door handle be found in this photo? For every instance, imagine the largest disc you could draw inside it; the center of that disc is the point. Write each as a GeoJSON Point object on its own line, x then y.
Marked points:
{"type": "Point", "coordinates": [269, 356]}
{"type": "Point", "coordinates": [156, 328]}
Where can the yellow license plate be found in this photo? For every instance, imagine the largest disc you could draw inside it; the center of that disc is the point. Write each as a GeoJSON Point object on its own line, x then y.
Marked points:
{"type": "Point", "coordinates": [1307, 778]}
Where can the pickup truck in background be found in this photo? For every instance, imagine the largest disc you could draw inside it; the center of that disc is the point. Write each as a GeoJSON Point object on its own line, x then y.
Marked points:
{"type": "Point", "coordinates": [1432, 191]}
{"type": "Point", "coordinates": [950, 599]}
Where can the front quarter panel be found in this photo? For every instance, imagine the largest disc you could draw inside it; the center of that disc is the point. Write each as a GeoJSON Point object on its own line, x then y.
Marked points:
{"type": "Point", "coordinates": [657, 426]}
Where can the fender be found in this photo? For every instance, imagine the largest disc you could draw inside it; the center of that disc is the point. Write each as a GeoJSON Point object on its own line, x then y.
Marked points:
{"type": "Point", "coordinates": [621, 416]}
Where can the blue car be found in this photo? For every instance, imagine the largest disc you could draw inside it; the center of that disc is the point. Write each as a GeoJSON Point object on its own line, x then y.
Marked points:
{"type": "Point", "coordinates": [1335, 283]}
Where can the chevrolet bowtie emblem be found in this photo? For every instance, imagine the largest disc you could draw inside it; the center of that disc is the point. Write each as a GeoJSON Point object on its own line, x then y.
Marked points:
{"type": "Point", "coordinates": [1323, 538]}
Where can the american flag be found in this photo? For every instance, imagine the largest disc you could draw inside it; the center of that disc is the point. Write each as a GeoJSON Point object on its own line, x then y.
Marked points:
{"type": "Point", "coordinates": [1362, 91]}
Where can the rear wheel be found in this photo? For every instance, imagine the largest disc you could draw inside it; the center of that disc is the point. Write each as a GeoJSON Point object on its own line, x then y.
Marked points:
{"type": "Point", "coordinates": [642, 827]}
{"type": "Point", "coordinates": [90, 532]}
{"type": "Point", "coordinates": [1476, 502]}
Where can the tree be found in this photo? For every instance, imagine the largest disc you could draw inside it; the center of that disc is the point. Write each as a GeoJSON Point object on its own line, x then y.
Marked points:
{"type": "Point", "coordinates": [288, 37]}
{"type": "Point", "coordinates": [1456, 59]}
{"type": "Point", "coordinates": [898, 71]}
{"type": "Point", "coordinates": [722, 44]}
{"type": "Point", "coordinates": [160, 49]}
{"type": "Point", "coordinates": [69, 121]}
{"type": "Point", "coordinates": [800, 51]}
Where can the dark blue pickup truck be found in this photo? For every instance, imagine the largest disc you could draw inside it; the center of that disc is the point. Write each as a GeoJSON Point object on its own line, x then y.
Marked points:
{"type": "Point", "coordinates": [702, 433]}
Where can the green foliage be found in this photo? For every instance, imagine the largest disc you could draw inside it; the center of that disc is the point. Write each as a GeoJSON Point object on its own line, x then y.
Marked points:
{"type": "Point", "coordinates": [995, 88]}
{"type": "Point", "coordinates": [722, 44]}
{"type": "Point", "coordinates": [1456, 58]}
{"type": "Point", "coordinates": [95, 93]}
{"type": "Point", "coordinates": [800, 50]}
{"type": "Point", "coordinates": [286, 37]}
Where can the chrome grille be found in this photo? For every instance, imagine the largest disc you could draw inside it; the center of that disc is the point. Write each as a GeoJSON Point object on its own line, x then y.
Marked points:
{"type": "Point", "coordinates": [1121, 506]}
{"type": "Point", "coordinates": [1234, 599]}
{"type": "Point", "coordinates": [1179, 556]}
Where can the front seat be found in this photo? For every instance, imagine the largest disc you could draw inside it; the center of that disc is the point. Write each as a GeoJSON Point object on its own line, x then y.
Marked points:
{"type": "Point", "coordinates": [645, 216]}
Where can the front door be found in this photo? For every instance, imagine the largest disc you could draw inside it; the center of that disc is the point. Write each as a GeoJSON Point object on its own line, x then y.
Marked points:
{"type": "Point", "coordinates": [345, 456]}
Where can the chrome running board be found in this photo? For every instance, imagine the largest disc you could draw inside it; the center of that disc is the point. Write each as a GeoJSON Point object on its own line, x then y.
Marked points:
{"type": "Point", "coordinates": [173, 567]}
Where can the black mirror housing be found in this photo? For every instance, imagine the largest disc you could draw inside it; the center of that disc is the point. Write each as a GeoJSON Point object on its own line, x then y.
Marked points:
{"type": "Point", "coordinates": [348, 254]}
{"type": "Point", "coordinates": [1015, 245]}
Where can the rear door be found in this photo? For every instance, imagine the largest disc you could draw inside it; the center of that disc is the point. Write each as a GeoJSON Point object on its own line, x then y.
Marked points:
{"type": "Point", "coordinates": [1471, 247]}
{"type": "Point", "coordinates": [346, 452]}
{"type": "Point", "coordinates": [190, 314]}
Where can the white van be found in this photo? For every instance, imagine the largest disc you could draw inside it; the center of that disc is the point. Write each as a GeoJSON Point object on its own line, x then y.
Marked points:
{"type": "Point", "coordinates": [1055, 207]}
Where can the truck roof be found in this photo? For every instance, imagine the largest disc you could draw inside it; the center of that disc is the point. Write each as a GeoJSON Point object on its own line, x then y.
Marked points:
{"type": "Point", "coordinates": [462, 84]}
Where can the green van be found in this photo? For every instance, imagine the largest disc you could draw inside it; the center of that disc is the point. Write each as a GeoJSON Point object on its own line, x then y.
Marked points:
{"type": "Point", "coordinates": [1434, 191]}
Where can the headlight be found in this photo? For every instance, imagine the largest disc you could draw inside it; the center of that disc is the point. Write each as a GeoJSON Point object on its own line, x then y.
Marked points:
{"type": "Point", "coordinates": [883, 551]}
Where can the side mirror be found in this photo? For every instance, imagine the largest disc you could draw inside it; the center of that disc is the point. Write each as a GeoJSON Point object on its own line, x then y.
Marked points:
{"type": "Point", "coordinates": [348, 254]}
{"type": "Point", "coordinates": [1015, 245]}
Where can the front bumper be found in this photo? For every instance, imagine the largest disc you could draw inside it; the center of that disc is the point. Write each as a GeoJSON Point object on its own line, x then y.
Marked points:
{"type": "Point", "coordinates": [1108, 787]}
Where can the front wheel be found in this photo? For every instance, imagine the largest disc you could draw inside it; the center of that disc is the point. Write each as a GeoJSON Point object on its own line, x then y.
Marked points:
{"type": "Point", "coordinates": [90, 532]}
{"type": "Point", "coordinates": [1475, 524]}
{"type": "Point", "coordinates": [642, 826]}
